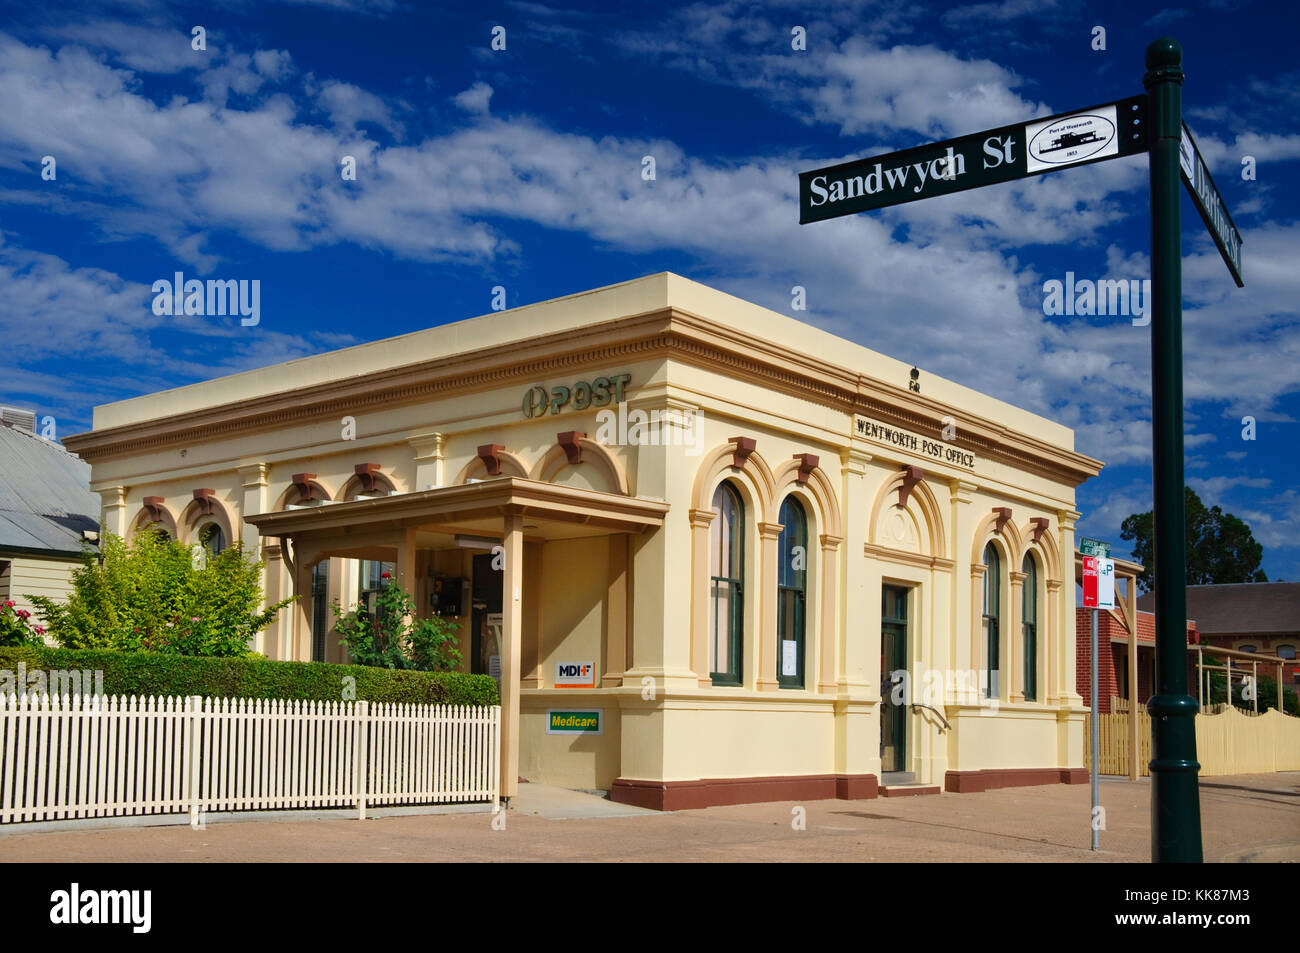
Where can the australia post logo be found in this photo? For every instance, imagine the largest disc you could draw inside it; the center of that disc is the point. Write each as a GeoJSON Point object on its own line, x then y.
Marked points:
{"type": "Point", "coordinates": [575, 674]}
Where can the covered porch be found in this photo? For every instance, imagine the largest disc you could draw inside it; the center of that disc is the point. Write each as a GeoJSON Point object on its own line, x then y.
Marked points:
{"type": "Point", "coordinates": [519, 515]}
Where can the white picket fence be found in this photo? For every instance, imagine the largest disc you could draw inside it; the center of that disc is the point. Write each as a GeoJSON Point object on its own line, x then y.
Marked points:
{"type": "Point", "coordinates": [93, 756]}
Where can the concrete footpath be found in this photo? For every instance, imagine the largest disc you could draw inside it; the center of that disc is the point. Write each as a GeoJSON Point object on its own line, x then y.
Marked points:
{"type": "Point", "coordinates": [1245, 818]}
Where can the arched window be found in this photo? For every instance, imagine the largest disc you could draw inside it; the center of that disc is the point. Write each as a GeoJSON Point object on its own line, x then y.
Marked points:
{"type": "Point", "coordinates": [791, 594]}
{"type": "Point", "coordinates": [212, 539]}
{"type": "Point", "coordinates": [992, 617]}
{"type": "Point", "coordinates": [726, 586]}
{"type": "Point", "coordinates": [1029, 627]}
{"type": "Point", "coordinates": [1286, 651]}
{"type": "Point", "coordinates": [1247, 648]}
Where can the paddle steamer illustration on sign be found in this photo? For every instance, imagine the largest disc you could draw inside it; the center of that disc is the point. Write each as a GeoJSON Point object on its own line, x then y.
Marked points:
{"type": "Point", "coordinates": [1072, 139]}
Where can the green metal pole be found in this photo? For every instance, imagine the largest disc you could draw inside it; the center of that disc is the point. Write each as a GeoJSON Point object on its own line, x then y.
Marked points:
{"type": "Point", "coordinates": [1175, 800]}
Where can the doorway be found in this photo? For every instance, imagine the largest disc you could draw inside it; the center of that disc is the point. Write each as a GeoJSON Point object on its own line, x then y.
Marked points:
{"type": "Point", "coordinates": [320, 612]}
{"type": "Point", "coordinates": [485, 618]}
{"type": "Point", "coordinates": [893, 671]}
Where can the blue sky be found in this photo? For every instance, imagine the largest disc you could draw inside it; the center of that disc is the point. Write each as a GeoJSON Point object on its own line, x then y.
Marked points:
{"type": "Point", "coordinates": [522, 168]}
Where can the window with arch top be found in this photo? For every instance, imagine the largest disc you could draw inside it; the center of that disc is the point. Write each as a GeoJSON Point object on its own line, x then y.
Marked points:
{"type": "Point", "coordinates": [1029, 626]}
{"type": "Point", "coordinates": [726, 586]}
{"type": "Point", "coordinates": [992, 617]}
{"type": "Point", "coordinates": [791, 594]}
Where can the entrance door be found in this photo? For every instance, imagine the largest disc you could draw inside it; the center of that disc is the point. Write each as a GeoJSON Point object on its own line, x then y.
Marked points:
{"type": "Point", "coordinates": [893, 665]}
{"type": "Point", "coordinates": [485, 636]}
{"type": "Point", "coordinates": [320, 612]}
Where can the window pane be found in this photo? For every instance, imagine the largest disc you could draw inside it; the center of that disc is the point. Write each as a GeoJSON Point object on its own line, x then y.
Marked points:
{"type": "Point", "coordinates": [786, 615]}
{"type": "Point", "coordinates": [721, 626]}
{"type": "Point", "coordinates": [726, 572]}
{"type": "Point", "coordinates": [792, 546]}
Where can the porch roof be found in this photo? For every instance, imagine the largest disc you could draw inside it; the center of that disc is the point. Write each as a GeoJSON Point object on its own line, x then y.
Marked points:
{"type": "Point", "coordinates": [551, 511]}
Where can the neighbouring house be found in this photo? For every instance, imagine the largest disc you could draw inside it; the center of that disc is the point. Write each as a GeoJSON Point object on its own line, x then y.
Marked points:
{"type": "Point", "coordinates": [1112, 651]}
{"type": "Point", "coordinates": [705, 547]}
{"type": "Point", "coordinates": [47, 511]}
{"type": "Point", "coordinates": [1253, 617]}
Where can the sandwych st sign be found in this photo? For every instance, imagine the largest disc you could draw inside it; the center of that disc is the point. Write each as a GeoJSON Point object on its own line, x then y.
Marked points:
{"type": "Point", "coordinates": [1151, 124]}
{"type": "Point", "coordinates": [967, 162]}
{"type": "Point", "coordinates": [1206, 198]}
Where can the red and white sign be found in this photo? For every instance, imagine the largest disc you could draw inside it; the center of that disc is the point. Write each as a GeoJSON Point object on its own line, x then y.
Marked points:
{"type": "Point", "coordinates": [1098, 583]}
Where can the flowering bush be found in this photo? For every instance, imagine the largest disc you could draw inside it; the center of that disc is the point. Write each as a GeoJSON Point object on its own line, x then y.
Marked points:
{"type": "Point", "coordinates": [15, 627]}
{"type": "Point", "coordinates": [151, 595]}
{"type": "Point", "coordinates": [392, 637]}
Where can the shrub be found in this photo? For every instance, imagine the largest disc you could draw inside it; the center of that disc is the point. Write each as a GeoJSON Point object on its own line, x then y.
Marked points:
{"type": "Point", "coordinates": [392, 637]}
{"type": "Point", "coordinates": [15, 629]}
{"type": "Point", "coordinates": [154, 673]}
{"type": "Point", "coordinates": [155, 595]}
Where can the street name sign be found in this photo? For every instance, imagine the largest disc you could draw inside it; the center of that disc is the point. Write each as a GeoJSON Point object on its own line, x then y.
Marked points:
{"type": "Point", "coordinates": [1208, 201]}
{"type": "Point", "coordinates": [1093, 547]}
{"type": "Point", "coordinates": [1011, 152]}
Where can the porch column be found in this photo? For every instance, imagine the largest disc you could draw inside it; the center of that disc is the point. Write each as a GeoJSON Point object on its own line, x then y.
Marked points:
{"type": "Point", "coordinates": [1054, 645]}
{"type": "Point", "coordinates": [297, 641]}
{"type": "Point", "coordinates": [1016, 642]}
{"type": "Point", "coordinates": [964, 651]}
{"type": "Point", "coordinates": [1064, 677]}
{"type": "Point", "coordinates": [112, 511]}
{"type": "Point", "coordinates": [767, 658]}
{"type": "Point", "coordinates": [406, 569]}
{"type": "Point", "coordinates": [701, 521]}
{"type": "Point", "coordinates": [827, 631]}
{"type": "Point", "coordinates": [511, 646]}
{"type": "Point", "coordinates": [858, 671]}
{"type": "Point", "coordinates": [616, 618]}
{"type": "Point", "coordinates": [427, 455]}
{"type": "Point", "coordinates": [253, 480]}
{"type": "Point", "coordinates": [531, 658]}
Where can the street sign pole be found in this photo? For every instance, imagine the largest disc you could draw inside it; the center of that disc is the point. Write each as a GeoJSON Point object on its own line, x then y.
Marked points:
{"type": "Point", "coordinates": [1096, 737]}
{"type": "Point", "coordinates": [1175, 800]}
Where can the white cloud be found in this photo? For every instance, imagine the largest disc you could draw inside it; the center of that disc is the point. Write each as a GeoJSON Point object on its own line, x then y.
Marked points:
{"type": "Point", "coordinates": [475, 99]}
{"type": "Point", "coordinates": [951, 298]}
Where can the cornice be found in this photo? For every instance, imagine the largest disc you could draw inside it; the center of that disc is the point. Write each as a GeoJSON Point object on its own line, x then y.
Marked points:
{"type": "Point", "coordinates": [666, 333]}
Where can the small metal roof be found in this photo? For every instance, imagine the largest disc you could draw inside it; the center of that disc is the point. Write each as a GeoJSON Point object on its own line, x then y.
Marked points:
{"type": "Point", "coordinates": [45, 499]}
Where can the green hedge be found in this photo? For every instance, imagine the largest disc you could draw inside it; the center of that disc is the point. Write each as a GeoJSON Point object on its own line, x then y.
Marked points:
{"type": "Point", "coordinates": [154, 673]}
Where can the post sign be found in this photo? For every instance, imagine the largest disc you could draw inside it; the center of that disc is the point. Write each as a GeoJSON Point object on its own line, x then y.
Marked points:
{"type": "Point", "coordinates": [575, 674]}
{"type": "Point", "coordinates": [573, 722]}
{"type": "Point", "coordinates": [967, 162]}
{"type": "Point", "coordinates": [1098, 583]}
{"type": "Point", "coordinates": [1208, 201]}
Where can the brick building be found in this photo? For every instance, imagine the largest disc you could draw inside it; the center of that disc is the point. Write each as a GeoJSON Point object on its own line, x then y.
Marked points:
{"type": "Point", "coordinates": [1255, 617]}
{"type": "Point", "coordinates": [1112, 649]}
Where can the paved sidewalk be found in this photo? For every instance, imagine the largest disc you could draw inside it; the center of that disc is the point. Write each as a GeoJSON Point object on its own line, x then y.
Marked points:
{"type": "Point", "coordinates": [1246, 817]}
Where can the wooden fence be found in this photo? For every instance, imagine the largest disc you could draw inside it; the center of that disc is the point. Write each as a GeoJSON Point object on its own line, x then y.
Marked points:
{"type": "Point", "coordinates": [93, 756]}
{"type": "Point", "coordinates": [1237, 742]}
{"type": "Point", "coordinates": [1113, 743]}
{"type": "Point", "coordinates": [1228, 741]}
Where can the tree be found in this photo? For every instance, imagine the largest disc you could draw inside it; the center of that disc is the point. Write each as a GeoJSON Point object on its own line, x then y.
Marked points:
{"type": "Point", "coordinates": [1220, 546]}
{"type": "Point", "coordinates": [155, 595]}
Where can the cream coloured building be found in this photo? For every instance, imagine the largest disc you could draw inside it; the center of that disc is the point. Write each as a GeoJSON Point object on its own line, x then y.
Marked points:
{"type": "Point", "coordinates": [714, 554]}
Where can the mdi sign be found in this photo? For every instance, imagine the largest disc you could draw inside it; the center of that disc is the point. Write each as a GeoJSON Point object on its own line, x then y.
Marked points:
{"type": "Point", "coordinates": [984, 158]}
